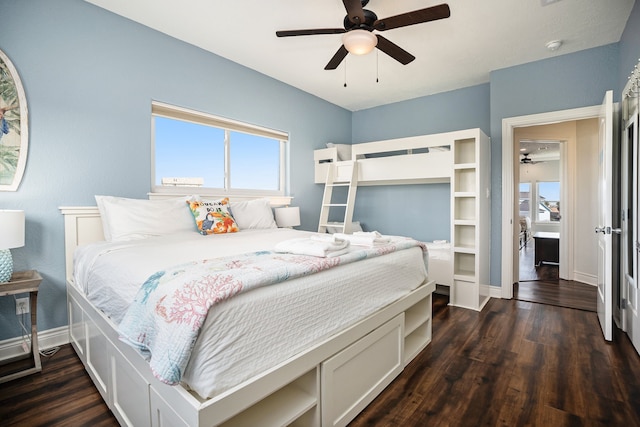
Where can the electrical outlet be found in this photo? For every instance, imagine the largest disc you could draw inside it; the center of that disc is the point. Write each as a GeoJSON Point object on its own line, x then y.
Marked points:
{"type": "Point", "coordinates": [22, 306]}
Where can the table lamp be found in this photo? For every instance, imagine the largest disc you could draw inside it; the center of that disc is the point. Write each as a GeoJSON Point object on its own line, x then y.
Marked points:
{"type": "Point", "coordinates": [288, 216]}
{"type": "Point", "coordinates": [11, 236]}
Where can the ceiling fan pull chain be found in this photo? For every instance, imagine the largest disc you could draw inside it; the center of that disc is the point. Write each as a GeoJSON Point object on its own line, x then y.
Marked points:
{"type": "Point", "coordinates": [377, 65]}
{"type": "Point", "coordinates": [345, 73]}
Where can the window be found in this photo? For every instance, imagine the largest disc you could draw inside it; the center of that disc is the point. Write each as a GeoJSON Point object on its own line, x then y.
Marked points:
{"type": "Point", "coordinates": [548, 202]}
{"type": "Point", "coordinates": [525, 197]}
{"type": "Point", "coordinates": [193, 149]}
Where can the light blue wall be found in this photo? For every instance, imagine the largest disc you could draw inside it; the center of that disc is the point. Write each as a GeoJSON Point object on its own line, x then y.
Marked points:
{"type": "Point", "coordinates": [89, 77]}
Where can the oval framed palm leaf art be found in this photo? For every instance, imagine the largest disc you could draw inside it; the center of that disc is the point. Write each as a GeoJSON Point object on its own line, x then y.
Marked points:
{"type": "Point", "coordinates": [14, 127]}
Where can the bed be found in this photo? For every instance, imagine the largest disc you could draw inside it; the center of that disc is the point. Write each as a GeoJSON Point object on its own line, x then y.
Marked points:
{"type": "Point", "coordinates": [324, 376]}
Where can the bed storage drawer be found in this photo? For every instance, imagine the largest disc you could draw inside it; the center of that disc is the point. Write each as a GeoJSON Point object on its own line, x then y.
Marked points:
{"type": "Point", "coordinates": [130, 392]}
{"type": "Point", "coordinates": [91, 346]}
{"type": "Point", "coordinates": [352, 378]}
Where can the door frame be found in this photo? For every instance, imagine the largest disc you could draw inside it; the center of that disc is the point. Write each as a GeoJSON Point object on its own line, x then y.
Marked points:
{"type": "Point", "coordinates": [509, 171]}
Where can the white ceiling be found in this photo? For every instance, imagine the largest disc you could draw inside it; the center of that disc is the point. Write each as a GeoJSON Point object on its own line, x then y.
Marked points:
{"type": "Point", "coordinates": [480, 36]}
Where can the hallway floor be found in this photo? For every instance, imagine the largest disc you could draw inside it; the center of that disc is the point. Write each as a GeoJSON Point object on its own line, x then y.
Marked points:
{"type": "Point", "coordinates": [543, 285]}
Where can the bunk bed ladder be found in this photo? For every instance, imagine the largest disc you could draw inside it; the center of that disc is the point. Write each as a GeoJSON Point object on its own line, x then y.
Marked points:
{"type": "Point", "coordinates": [333, 180]}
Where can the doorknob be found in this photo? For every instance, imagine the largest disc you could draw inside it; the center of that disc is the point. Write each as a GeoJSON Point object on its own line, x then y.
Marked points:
{"type": "Point", "coordinates": [608, 230]}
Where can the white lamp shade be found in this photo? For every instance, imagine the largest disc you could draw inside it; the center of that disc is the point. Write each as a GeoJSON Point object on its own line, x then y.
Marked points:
{"type": "Point", "coordinates": [288, 217]}
{"type": "Point", "coordinates": [359, 42]}
{"type": "Point", "coordinates": [11, 229]}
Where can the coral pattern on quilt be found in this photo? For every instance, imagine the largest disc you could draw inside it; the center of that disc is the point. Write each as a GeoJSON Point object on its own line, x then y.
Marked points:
{"type": "Point", "coordinates": [164, 320]}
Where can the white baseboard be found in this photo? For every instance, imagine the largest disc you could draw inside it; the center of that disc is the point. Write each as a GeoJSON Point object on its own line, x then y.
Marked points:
{"type": "Point", "coordinates": [46, 339]}
{"type": "Point", "coordinates": [495, 291]}
{"type": "Point", "coordinates": [589, 279]}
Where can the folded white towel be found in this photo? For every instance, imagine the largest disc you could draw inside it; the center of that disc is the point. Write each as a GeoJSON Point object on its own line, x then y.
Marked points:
{"type": "Point", "coordinates": [325, 238]}
{"type": "Point", "coordinates": [308, 246]}
{"type": "Point", "coordinates": [364, 238]}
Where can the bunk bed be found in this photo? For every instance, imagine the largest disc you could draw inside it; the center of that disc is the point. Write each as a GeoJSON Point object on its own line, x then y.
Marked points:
{"type": "Point", "coordinates": [461, 158]}
{"type": "Point", "coordinates": [327, 383]}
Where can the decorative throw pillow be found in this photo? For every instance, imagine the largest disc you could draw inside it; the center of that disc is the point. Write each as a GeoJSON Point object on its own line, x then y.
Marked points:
{"type": "Point", "coordinates": [212, 216]}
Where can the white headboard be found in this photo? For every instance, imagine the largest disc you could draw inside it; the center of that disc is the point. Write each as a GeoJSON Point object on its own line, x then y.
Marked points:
{"type": "Point", "coordinates": [82, 225]}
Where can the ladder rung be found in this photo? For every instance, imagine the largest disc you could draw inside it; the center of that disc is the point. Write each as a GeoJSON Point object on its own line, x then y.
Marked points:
{"type": "Point", "coordinates": [335, 204]}
{"type": "Point", "coordinates": [339, 184]}
{"type": "Point", "coordinates": [333, 224]}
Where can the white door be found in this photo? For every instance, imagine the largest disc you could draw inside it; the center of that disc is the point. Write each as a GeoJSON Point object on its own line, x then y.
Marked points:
{"type": "Point", "coordinates": [605, 217]}
{"type": "Point", "coordinates": [632, 320]}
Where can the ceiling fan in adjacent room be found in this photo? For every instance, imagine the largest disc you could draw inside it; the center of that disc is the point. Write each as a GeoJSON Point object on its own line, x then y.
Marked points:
{"type": "Point", "coordinates": [526, 160]}
{"type": "Point", "coordinates": [358, 37]}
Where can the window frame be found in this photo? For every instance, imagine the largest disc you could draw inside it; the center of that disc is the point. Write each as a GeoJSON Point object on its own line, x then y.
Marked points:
{"type": "Point", "coordinates": [159, 109]}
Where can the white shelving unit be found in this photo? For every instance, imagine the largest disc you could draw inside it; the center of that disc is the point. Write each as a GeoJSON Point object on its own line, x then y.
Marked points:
{"type": "Point", "coordinates": [470, 222]}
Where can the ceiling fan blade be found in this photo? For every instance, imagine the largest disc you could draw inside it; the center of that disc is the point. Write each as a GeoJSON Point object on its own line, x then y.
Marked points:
{"type": "Point", "coordinates": [394, 51]}
{"type": "Point", "coordinates": [310, 32]}
{"type": "Point", "coordinates": [416, 17]}
{"type": "Point", "coordinates": [355, 11]}
{"type": "Point", "coordinates": [337, 58]}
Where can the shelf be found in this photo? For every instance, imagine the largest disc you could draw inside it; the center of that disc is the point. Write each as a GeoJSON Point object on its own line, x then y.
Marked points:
{"type": "Point", "coordinates": [465, 276]}
{"type": "Point", "coordinates": [459, 166]}
{"type": "Point", "coordinates": [470, 213]}
{"type": "Point", "coordinates": [464, 263]}
{"type": "Point", "coordinates": [417, 341]}
{"type": "Point", "coordinates": [283, 407]}
{"type": "Point", "coordinates": [417, 316]}
{"type": "Point", "coordinates": [464, 235]}
{"type": "Point", "coordinates": [461, 249]}
{"type": "Point", "coordinates": [465, 194]}
{"type": "Point", "coordinates": [464, 180]}
{"type": "Point", "coordinates": [465, 150]}
{"type": "Point", "coordinates": [464, 209]}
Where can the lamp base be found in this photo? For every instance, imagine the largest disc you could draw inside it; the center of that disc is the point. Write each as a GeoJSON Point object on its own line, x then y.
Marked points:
{"type": "Point", "coordinates": [6, 265]}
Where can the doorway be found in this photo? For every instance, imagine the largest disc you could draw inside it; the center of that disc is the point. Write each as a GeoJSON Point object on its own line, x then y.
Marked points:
{"type": "Point", "coordinates": [539, 207]}
{"type": "Point", "coordinates": [510, 191]}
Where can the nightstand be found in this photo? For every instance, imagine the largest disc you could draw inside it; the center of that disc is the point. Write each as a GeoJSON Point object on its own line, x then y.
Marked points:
{"type": "Point", "coordinates": [22, 282]}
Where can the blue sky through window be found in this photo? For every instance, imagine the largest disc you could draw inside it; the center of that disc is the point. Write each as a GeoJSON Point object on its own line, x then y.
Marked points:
{"type": "Point", "coordinates": [190, 150]}
{"type": "Point", "coordinates": [549, 190]}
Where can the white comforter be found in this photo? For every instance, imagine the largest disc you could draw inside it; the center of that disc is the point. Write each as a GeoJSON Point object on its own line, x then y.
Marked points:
{"type": "Point", "coordinates": [258, 329]}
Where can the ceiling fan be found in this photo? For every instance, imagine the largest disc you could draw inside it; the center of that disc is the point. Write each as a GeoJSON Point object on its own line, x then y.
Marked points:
{"type": "Point", "coordinates": [526, 160]}
{"type": "Point", "coordinates": [358, 29]}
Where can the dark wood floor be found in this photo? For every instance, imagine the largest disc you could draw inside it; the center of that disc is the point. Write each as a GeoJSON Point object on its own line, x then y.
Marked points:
{"type": "Point", "coordinates": [61, 395]}
{"type": "Point", "coordinates": [528, 269]}
{"type": "Point", "coordinates": [542, 284]}
{"type": "Point", "coordinates": [513, 364]}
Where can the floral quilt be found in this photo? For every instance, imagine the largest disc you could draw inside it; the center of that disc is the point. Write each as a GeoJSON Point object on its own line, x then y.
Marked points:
{"type": "Point", "coordinates": [164, 320]}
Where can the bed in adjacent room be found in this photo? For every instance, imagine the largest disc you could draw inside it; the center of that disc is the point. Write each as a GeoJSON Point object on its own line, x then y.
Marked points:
{"type": "Point", "coordinates": [281, 351]}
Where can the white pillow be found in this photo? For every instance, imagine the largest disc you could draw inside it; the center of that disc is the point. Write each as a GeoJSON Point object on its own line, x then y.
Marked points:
{"type": "Point", "coordinates": [253, 214]}
{"type": "Point", "coordinates": [344, 151]}
{"type": "Point", "coordinates": [129, 219]}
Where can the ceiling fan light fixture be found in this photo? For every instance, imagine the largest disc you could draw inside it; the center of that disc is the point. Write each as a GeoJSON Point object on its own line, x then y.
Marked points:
{"type": "Point", "coordinates": [359, 42]}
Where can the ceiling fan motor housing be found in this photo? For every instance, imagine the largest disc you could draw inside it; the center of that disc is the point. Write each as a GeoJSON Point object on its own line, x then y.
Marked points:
{"type": "Point", "coordinates": [369, 18]}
